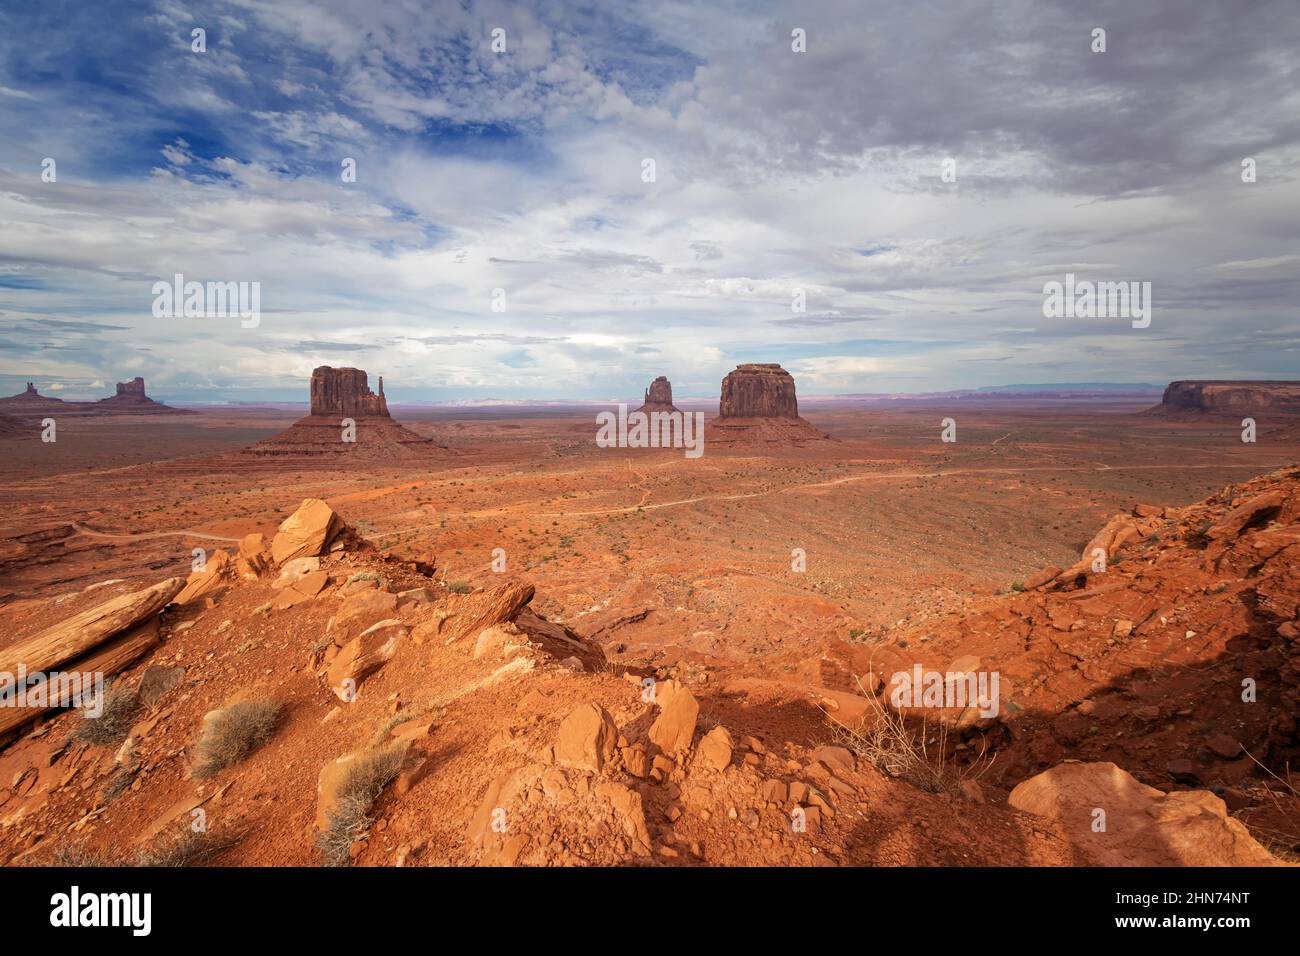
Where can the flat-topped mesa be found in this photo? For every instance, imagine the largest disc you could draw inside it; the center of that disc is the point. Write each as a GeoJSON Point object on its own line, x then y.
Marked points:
{"type": "Point", "coordinates": [758, 407]}
{"type": "Point", "coordinates": [346, 392]}
{"type": "Point", "coordinates": [658, 397]}
{"type": "Point", "coordinates": [1230, 398]}
{"type": "Point", "coordinates": [758, 390]}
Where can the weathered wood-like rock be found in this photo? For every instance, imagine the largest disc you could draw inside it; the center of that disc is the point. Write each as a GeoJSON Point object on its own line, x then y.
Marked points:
{"type": "Point", "coordinates": [82, 632]}
{"type": "Point", "coordinates": [103, 640]}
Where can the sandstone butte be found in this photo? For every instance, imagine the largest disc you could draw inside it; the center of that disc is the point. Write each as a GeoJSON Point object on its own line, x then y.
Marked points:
{"type": "Point", "coordinates": [340, 396]}
{"type": "Point", "coordinates": [758, 406]}
{"type": "Point", "coordinates": [658, 397]}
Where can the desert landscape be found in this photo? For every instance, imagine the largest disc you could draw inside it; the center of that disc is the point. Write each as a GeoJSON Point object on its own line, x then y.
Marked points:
{"type": "Point", "coordinates": [840, 452]}
{"type": "Point", "coordinates": [642, 658]}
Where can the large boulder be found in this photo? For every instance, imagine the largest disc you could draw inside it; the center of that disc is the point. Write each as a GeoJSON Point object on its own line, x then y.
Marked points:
{"type": "Point", "coordinates": [215, 576]}
{"type": "Point", "coordinates": [587, 738]}
{"type": "Point", "coordinates": [674, 728]}
{"type": "Point", "coordinates": [715, 749]}
{"type": "Point", "coordinates": [307, 532]}
{"type": "Point", "coordinates": [1143, 826]}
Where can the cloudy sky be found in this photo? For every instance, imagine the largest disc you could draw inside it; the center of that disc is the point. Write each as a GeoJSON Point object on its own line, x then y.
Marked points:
{"type": "Point", "coordinates": [524, 171]}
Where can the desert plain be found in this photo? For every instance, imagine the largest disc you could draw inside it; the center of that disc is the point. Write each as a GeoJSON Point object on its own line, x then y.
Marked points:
{"type": "Point", "coordinates": [780, 584]}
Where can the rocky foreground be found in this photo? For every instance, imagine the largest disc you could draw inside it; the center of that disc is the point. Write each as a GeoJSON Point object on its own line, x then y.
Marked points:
{"type": "Point", "coordinates": [309, 699]}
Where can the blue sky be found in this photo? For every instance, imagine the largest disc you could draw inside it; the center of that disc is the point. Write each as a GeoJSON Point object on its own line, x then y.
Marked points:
{"type": "Point", "coordinates": [522, 171]}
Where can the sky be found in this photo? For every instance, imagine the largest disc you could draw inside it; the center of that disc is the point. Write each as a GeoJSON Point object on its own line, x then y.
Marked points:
{"type": "Point", "coordinates": [517, 179]}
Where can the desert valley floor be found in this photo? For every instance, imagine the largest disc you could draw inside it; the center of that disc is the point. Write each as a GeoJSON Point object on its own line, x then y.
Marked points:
{"type": "Point", "coordinates": [672, 566]}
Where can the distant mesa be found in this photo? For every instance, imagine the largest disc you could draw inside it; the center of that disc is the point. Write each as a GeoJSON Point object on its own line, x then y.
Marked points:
{"type": "Point", "coordinates": [339, 394]}
{"type": "Point", "coordinates": [131, 397]}
{"type": "Point", "coordinates": [129, 400]}
{"type": "Point", "coordinates": [658, 397]}
{"type": "Point", "coordinates": [1193, 399]}
{"type": "Point", "coordinates": [758, 405]}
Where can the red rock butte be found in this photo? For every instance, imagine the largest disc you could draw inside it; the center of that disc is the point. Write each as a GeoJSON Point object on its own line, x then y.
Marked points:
{"type": "Point", "coordinates": [758, 406]}
{"type": "Point", "coordinates": [339, 394]}
{"type": "Point", "coordinates": [131, 397]}
{"type": "Point", "coordinates": [346, 392]}
{"type": "Point", "coordinates": [658, 397]}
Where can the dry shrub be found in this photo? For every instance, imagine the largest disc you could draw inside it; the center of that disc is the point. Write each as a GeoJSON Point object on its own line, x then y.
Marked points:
{"type": "Point", "coordinates": [233, 732]}
{"type": "Point", "coordinates": [183, 848]}
{"type": "Point", "coordinates": [362, 783]}
{"type": "Point", "coordinates": [115, 719]}
{"type": "Point", "coordinates": [884, 740]}
{"type": "Point", "coordinates": [79, 856]}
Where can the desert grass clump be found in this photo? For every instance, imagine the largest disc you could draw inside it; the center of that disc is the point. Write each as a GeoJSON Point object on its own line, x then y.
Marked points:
{"type": "Point", "coordinates": [233, 732]}
{"type": "Point", "coordinates": [362, 783]}
{"type": "Point", "coordinates": [79, 856]}
{"type": "Point", "coordinates": [118, 783]}
{"type": "Point", "coordinates": [885, 741]}
{"type": "Point", "coordinates": [459, 587]}
{"type": "Point", "coordinates": [117, 713]}
{"type": "Point", "coordinates": [182, 848]}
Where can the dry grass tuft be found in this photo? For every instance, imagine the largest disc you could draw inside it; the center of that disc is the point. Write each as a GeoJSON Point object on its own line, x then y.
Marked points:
{"type": "Point", "coordinates": [115, 719]}
{"type": "Point", "coordinates": [183, 848]}
{"type": "Point", "coordinates": [233, 732]}
{"type": "Point", "coordinates": [79, 856]}
{"type": "Point", "coordinates": [365, 779]}
{"type": "Point", "coordinates": [885, 741]}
